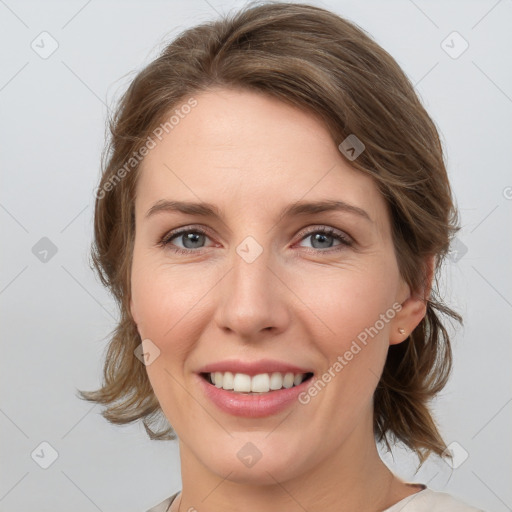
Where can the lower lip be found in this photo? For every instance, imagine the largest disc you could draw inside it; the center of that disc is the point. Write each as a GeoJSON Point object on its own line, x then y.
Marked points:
{"type": "Point", "coordinates": [254, 405]}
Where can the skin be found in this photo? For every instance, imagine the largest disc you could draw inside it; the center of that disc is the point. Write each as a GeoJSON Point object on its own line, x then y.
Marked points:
{"type": "Point", "coordinates": [301, 301]}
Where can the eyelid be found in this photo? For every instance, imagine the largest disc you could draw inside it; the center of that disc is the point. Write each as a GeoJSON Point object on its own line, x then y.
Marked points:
{"type": "Point", "coordinates": [184, 229]}
{"type": "Point", "coordinates": [330, 230]}
{"type": "Point", "coordinates": [164, 242]}
{"type": "Point", "coordinates": [345, 240]}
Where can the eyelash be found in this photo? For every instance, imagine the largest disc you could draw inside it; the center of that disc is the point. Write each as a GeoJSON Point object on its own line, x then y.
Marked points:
{"type": "Point", "coordinates": [344, 240]}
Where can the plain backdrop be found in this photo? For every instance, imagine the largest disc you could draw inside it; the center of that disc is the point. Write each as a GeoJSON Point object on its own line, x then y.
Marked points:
{"type": "Point", "coordinates": [62, 64]}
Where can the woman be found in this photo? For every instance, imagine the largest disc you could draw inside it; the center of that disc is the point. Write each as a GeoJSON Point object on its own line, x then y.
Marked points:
{"type": "Point", "coordinates": [272, 214]}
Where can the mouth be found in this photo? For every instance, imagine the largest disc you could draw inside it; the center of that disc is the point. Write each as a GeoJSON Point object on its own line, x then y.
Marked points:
{"type": "Point", "coordinates": [262, 383]}
{"type": "Point", "coordinates": [253, 396]}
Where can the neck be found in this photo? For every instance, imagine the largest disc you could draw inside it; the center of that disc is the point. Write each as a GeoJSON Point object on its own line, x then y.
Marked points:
{"type": "Point", "coordinates": [352, 477]}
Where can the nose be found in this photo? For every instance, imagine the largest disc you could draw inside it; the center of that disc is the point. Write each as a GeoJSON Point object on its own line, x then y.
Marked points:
{"type": "Point", "coordinates": [253, 298]}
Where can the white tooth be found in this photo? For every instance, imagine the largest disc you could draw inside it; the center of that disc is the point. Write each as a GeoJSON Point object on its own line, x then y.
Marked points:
{"type": "Point", "coordinates": [260, 383]}
{"type": "Point", "coordinates": [227, 381]}
{"type": "Point", "coordinates": [276, 381]}
{"type": "Point", "coordinates": [288, 380]}
{"type": "Point", "coordinates": [218, 379]}
{"type": "Point", "coordinates": [242, 383]}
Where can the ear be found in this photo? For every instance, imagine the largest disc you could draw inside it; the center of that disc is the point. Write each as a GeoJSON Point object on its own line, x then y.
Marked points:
{"type": "Point", "coordinates": [413, 305]}
{"type": "Point", "coordinates": [132, 311]}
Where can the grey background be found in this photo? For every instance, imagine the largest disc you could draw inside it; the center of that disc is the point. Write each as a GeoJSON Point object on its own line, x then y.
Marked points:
{"type": "Point", "coordinates": [55, 316]}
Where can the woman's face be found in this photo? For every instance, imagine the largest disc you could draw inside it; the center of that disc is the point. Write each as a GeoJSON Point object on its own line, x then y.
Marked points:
{"type": "Point", "coordinates": [261, 291]}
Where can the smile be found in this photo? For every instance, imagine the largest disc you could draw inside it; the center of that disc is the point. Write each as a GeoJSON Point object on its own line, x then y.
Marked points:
{"type": "Point", "coordinates": [251, 392]}
{"type": "Point", "coordinates": [260, 383]}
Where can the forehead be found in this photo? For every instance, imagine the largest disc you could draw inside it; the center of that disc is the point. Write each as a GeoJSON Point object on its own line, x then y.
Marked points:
{"type": "Point", "coordinates": [242, 149]}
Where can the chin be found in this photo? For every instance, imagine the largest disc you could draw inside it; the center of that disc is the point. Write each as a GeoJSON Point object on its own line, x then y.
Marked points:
{"type": "Point", "coordinates": [262, 473]}
{"type": "Point", "coordinates": [257, 461]}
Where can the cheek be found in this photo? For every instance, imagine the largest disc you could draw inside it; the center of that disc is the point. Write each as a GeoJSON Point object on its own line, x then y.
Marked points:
{"type": "Point", "coordinates": [166, 302]}
{"type": "Point", "coordinates": [336, 304]}
{"type": "Point", "coordinates": [165, 298]}
{"type": "Point", "coordinates": [349, 317]}
{"type": "Point", "coordinates": [346, 302]}
{"type": "Point", "coordinates": [342, 329]}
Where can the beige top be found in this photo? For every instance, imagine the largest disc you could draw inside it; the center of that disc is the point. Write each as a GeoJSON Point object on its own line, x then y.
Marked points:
{"type": "Point", "coordinates": [425, 500]}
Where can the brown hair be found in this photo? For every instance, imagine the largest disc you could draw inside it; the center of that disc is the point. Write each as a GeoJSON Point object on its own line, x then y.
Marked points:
{"type": "Point", "coordinates": [317, 61]}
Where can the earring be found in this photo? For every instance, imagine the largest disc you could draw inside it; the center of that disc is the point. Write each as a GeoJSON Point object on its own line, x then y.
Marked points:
{"type": "Point", "coordinates": [401, 330]}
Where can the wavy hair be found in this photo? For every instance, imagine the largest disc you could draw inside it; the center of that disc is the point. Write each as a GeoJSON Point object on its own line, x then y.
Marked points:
{"type": "Point", "coordinates": [324, 64]}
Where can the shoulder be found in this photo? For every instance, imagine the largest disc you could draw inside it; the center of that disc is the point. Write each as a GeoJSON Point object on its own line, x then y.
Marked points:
{"type": "Point", "coordinates": [426, 500]}
{"type": "Point", "coordinates": [163, 506]}
{"type": "Point", "coordinates": [429, 500]}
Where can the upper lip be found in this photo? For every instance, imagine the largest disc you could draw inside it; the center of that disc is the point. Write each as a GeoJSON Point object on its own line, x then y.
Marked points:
{"type": "Point", "coordinates": [253, 367]}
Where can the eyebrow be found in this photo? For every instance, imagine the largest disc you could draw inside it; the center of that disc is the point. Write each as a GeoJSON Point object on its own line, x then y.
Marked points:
{"type": "Point", "coordinates": [295, 209]}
